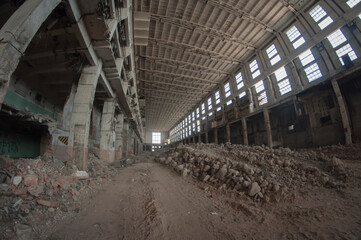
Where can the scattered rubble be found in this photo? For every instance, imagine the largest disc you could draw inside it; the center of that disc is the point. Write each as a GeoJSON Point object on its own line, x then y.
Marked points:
{"type": "Point", "coordinates": [259, 171]}
{"type": "Point", "coordinates": [43, 189]}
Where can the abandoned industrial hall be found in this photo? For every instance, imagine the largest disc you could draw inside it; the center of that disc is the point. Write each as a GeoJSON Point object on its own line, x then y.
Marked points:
{"type": "Point", "coordinates": [180, 119]}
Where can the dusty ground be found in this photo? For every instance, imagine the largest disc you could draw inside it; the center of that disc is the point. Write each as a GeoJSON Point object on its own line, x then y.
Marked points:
{"type": "Point", "coordinates": [149, 201]}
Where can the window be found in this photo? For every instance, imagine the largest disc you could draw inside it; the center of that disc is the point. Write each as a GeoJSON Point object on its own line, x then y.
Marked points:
{"type": "Point", "coordinates": [320, 16]}
{"type": "Point", "coordinates": [282, 80]}
{"type": "Point", "coordinates": [273, 55]}
{"type": "Point", "coordinates": [193, 116]}
{"type": "Point", "coordinates": [253, 66]}
{"type": "Point", "coordinates": [194, 127]}
{"type": "Point", "coordinates": [295, 37]}
{"type": "Point", "coordinates": [197, 113]}
{"type": "Point", "coordinates": [239, 80]}
{"type": "Point", "coordinates": [261, 96]}
{"type": "Point", "coordinates": [219, 109]}
{"type": "Point", "coordinates": [259, 86]}
{"type": "Point", "coordinates": [227, 90]}
{"type": "Point", "coordinates": [312, 72]}
{"type": "Point", "coordinates": [189, 130]}
{"type": "Point", "coordinates": [306, 57]}
{"type": "Point", "coordinates": [189, 119]}
{"type": "Point", "coordinates": [198, 126]}
{"type": "Point", "coordinates": [339, 43]}
{"type": "Point", "coordinates": [242, 94]}
{"type": "Point", "coordinates": [156, 136]}
{"type": "Point", "coordinates": [229, 102]}
{"type": "Point", "coordinates": [209, 104]}
{"type": "Point", "coordinates": [217, 97]}
{"type": "Point", "coordinates": [203, 108]}
{"type": "Point", "coordinates": [352, 3]}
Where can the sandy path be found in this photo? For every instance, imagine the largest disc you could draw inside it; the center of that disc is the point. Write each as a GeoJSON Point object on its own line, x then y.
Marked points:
{"type": "Point", "coordinates": [149, 201]}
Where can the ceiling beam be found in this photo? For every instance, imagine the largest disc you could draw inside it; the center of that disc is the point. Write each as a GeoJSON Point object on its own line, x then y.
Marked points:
{"type": "Point", "coordinates": [176, 74]}
{"type": "Point", "coordinates": [186, 63]}
{"type": "Point", "coordinates": [200, 88]}
{"type": "Point", "coordinates": [188, 47]}
{"type": "Point", "coordinates": [179, 67]}
{"type": "Point", "coordinates": [168, 91]}
{"type": "Point", "coordinates": [199, 54]}
{"type": "Point", "coordinates": [205, 30]}
{"type": "Point", "coordinates": [241, 14]}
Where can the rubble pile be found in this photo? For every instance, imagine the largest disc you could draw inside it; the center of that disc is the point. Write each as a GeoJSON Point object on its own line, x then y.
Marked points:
{"type": "Point", "coordinates": [34, 190]}
{"type": "Point", "coordinates": [258, 171]}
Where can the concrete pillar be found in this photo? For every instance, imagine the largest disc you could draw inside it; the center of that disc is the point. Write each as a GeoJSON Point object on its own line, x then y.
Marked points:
{"type": "Point", "coordinates": [215, 135]}
{"type": "Point", "coordinates": [207, 137]}
{"type": "Point", "coordinates": [119, 136]}
{"type": "Point", "coordinates": [80, 118]}
{"type": "Point", "coordinates": [267, 123]}
{"type": "Point", "coordinates": [199, 138]}
{"type": "Point", "coordinates": [107, 132]}
{"type": "Point", "coordinates": [344, 111]}
{"type": "Point", "coordinates": [125, 139]}
{"type": "Point", "coordinates": [130, 146]}
{"type": "Point", "coordinates": [244, 131]}
{"type": "Point", "coordinates": [228, 130]}
{"type": "Point", "coordinates": [17, 33]}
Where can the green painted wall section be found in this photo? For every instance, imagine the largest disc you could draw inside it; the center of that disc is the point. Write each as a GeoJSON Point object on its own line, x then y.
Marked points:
{"type": "Point", "coordinates": [18, 145]}
{"type": "Point", "coordinates": [19, 102]}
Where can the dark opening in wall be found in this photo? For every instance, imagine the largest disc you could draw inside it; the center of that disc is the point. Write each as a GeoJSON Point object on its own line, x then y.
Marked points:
{"type": "Point", "coordinates": [20, 138]}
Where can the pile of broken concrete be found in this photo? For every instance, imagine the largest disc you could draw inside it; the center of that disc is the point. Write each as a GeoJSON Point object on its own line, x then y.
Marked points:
{"type": "Point", "coordinates": [258, 171]}
{"type": "Point", "coordinates": [43, 189]}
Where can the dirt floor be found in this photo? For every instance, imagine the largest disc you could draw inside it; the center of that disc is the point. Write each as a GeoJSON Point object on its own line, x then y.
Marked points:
{"type": "Point", "coordinates": [148, 200]}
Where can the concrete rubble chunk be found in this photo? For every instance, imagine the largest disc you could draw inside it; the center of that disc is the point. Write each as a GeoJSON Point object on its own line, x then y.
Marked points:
{"type": "Point", "coordinates": [17, 180]}
{"type": "Point", "coordinates": [47, 203]}
{"type": "Point", "coordinates": [81, 175]}
{"type": "Point", "coordinates": [254, 189]}
{"type": "Point", "coordinates": [31, 180]}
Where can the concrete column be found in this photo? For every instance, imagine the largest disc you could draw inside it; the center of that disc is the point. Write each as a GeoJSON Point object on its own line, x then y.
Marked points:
{"type": "Point", "coordinates": [199, 138]}
{"type": "Point", "coordinates": [207, 137]}
{"type": "Point", "coordinates": [130, 147]}
{"type": "Point", "coordinates": [215, 135]}
{"type": "Point", "coordinates": [125, 139]}
{"type": "Point", "coordinates": [244, 131]}
{"type": "Point", "coordinates": [228, 130]}
{"type": "Point", "coordinates": [107, 132]}
{"type": "Point", "coordinates": [250, 98]}
{"type": "Point", "coordinates": [267, 123]}
{"type": "Point", "coordinates": [17, 33]}
{"type": "Point", "coordinates": [344, 111]}
{"type": "Point", "coordinates": [80, 118]}
{"type": "Point", "coordinates": [119, 136]}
